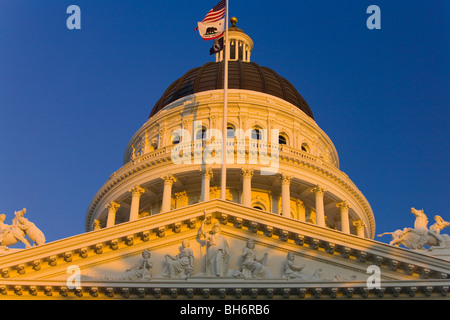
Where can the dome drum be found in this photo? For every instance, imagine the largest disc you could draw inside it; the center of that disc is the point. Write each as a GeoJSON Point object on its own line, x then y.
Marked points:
{"type": "Point", "coordinates": [148, 167]}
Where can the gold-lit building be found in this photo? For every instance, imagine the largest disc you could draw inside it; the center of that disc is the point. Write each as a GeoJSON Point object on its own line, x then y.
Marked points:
{"type": "Point", "coordinates": [291, 226]}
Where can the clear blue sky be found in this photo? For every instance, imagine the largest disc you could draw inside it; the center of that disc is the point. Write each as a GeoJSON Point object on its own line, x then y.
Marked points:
{"type": "Point", "coordinates": [70, 100]}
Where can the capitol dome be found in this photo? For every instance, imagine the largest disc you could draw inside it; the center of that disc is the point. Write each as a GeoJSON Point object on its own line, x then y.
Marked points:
{"type": "Point", "coordinates": [242, 75]}
{"type": "Point", "coordinates": [270, 128]}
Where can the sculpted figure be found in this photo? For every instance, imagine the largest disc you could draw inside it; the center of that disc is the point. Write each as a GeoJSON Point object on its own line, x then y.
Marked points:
{"type": "Point", "coordinates": [96, 225]}
{"type": "Point", "coordinates": [420, 235]}
{"type": "Point", "coordinates": [292, 272]}
{"type": "Point", "coordinates": [435, 231]}
{"type": "Point", "coordinates": [141, 271]}
{"type": "Point", "coordinates": [11, 234]}
{"type": "Point", "coordinates": [4, 228]}
{"type": "Point", "coordinates": [217, 252]}
{"type": "Point", "coordinates": [252, 266]}
{"type": "Point", "coordinates": [181, 265]}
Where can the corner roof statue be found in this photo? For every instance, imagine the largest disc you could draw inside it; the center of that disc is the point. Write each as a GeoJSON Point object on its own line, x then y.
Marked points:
{"type": "Point", "coordinates": [12, 234]}
{"type": "Point", "coordinates": [421, 235]}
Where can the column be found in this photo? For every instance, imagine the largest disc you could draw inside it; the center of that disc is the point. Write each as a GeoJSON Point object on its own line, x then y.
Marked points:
{"type": "Point", "coordinates": [359, 228]}
{"type": "Point", "coordinates": [345, 224]}
{"type": "Point", "coordinates": [301, 210]}
{"type": "Point", "coordinates": [285, 196]}
{"type": "Point", "coordinates": [167, 192]}
{"type": "Point", "coordinates": [136, 193]}
{"type": "Point", "coordinates": [320, 212]}
{"type": "Point", "coordinates": [207, 174]}
{"type": "Point", "coordinates": [275, 202]}
{"type": "Point", "coordinates": [112, 210]}
{"type": "Point", "coordinates": [247, 175]}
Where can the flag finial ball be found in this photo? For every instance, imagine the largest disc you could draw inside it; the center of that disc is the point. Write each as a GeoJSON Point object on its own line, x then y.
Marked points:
{"type": "Point", "coordinates": [233, 21]}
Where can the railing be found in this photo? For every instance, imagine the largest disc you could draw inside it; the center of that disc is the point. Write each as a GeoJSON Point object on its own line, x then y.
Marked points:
{"type": "Point", "coordinates": [239, 151]}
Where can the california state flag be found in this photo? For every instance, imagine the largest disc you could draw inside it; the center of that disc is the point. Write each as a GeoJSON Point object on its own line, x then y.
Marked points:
{"type": "Point", "coordinates": [211, 30]}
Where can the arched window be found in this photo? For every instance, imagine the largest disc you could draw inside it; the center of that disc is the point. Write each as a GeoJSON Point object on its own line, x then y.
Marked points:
{"type": "Point", "coordinates": [257, 207]}
{"type": "Point", "coordinates": [153, 144]}
{"type": "Point", "coordinates": [282, 139]}
{"type": "Point", "coordinates": [232, 49]}
{"type": "Point", "coordinates": [201, 134]}
{"type": "Point", "coordinates": [305, 147]}
{"type": "Point", "coordinates": [241, 51]}
{"type": "Point", "coordinates": [256, 134]}
{"type": "Point", "coordinates": [230, 131]}
{"type": "Point", "coordinates": [176, 139]}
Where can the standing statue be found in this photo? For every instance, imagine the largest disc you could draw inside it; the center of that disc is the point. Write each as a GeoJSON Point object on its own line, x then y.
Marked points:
{"type": "Point", "coordinates": [217, 252]}
{"type": "Point", "coordinates": [11, 234]}
{"type": "Point", "coordinates": [96, 225]}
{"type": "Point", "coordinates": [253, 267]}
{"type": "Point", "coordinates": [181, 265]}
{"type": "Point", "coordinates": [420, 235]}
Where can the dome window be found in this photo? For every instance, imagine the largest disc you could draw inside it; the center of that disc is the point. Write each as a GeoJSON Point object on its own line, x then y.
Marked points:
{"type": "Point", "coordinates": [230, 131]}
{"type": "Point", "coordinates": [201, 134]}
{"type": "Point", "coordinates": [241, 51]}
{"type": "Point", "coordinates": [256, 134]}
{"type": "Point", "coordinates": [282, 139]}
{"type": "Point", "coordinates": [175, 138]}
{"type": "Point", "coordinates": [233, 50]}
{"type": "Point", "coordinates": [305, 147]}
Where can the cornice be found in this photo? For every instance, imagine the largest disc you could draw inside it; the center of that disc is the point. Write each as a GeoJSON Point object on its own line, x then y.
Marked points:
{"type": "Point", "coordinates": [158, 229]}
{"type": "Point", "coordinates": [229, 289]}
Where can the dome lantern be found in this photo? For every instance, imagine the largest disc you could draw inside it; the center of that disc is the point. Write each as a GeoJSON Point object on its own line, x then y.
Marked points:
{"type": "Point", "coordinates": [240, 44]}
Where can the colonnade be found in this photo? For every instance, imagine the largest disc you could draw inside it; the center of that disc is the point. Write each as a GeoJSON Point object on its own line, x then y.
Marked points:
{"type": "Point", "coordinates": [247, 175]}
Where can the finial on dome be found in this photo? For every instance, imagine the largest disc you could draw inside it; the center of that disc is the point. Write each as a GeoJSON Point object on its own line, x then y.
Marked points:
{"type": "Point", "coordinates": [233, 21]}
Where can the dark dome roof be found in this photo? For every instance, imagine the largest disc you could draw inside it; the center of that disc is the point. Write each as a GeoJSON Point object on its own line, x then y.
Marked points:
{"type": "Point", "coordinates": [241, 75]}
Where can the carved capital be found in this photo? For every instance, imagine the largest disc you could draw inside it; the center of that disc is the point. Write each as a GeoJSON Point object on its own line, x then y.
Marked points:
{"type": "Point", "coordinates": [207, 173]}
{"type": "Point", "coordinates": [318, 191]}
{"type": "Point", "coordinates": [285, 179]}
{"type": "Point", "coordinates": [359, 224]}
{"type": "Point", "coordinates": [169, 179]}
{"type": "Point", "coordinates": [137, 191]}
{"type": "Point", "coordinates": [343, 205]}
{"type": "Point", "coordinates": [247, 173]}
{"type": "Point", "coordinates": [181, 195]}
{"type": "Point", "coordinates": [112, 206]}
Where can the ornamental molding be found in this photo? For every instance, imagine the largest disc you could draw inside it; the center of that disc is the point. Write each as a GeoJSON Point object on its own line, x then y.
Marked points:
{"type": "Point", "coordinates": [98, 247]}
{"type": "Point", "coordinates": [38, 271]}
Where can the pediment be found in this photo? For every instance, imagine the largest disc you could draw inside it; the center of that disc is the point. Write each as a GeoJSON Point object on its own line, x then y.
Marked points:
{"type": "Point", "coordinates": [110, 260]}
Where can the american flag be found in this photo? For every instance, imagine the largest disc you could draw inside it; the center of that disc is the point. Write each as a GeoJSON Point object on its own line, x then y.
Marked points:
{"type": "Point", "coordinates": [215, 14]}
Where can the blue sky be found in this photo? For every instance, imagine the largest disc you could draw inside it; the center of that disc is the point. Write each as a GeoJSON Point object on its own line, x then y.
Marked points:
{"type": "Point", "coordinates": [70, 100]}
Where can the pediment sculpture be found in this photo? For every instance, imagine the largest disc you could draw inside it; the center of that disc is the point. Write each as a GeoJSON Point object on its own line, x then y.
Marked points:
{"type": "Point", "coordinates": [421, 235]}
{"type": "Point", "coordinates": [252, 267]}
{"type": "Point", "coordinates": [293, 272]}
{"type": "Point", "coordinates": [217, 252]}
{"type": "Point", "coordinates": [16, 232]}
{"type": "Point", "coordinates": [142, 270]}
{"type": "Point", "coordinates": [216, 262]}
{"type": "Point", "coordinates": [181, 265]}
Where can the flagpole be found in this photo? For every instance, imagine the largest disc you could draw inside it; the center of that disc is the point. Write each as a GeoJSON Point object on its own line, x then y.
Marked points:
{"type": "Point", "coordinates": [225, 112]}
